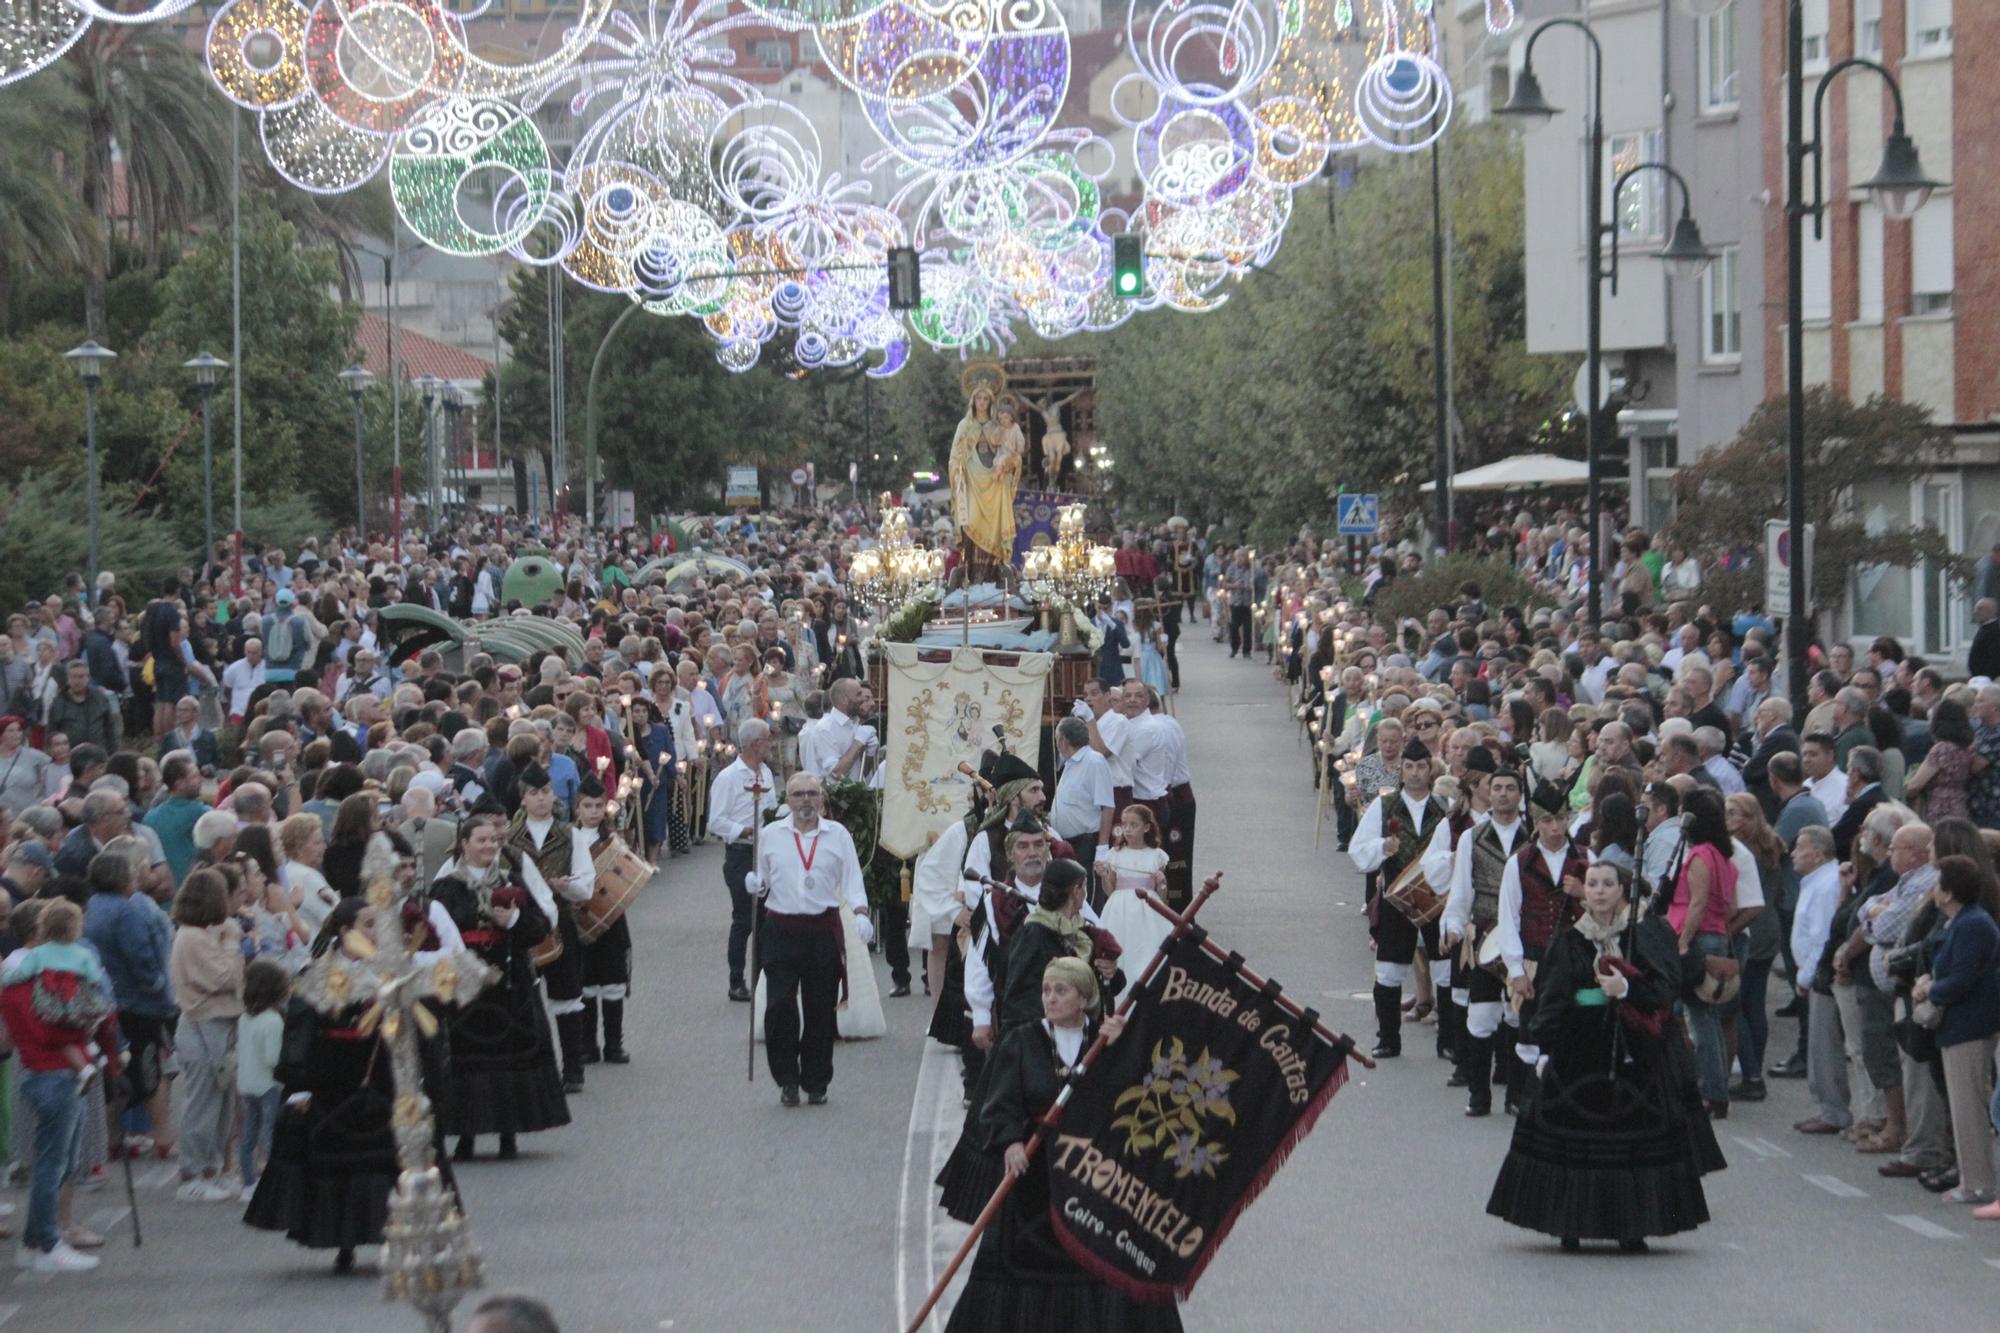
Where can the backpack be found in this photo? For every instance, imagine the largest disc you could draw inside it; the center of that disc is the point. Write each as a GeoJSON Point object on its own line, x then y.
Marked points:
{"type": "Point", "coordinates": [278, 642]}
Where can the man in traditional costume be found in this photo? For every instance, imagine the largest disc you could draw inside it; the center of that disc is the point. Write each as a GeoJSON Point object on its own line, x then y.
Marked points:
{"type": "Point", "coordinates": [1470, 915]}
{"type": "Point", "coordinates": [607, 960]}
{"type": "Point", "coordinates": [806, 867]}
{"type": "Point", "coordinates": [1541, 894]}
{"type": "Point", "coordinates": [1399, 828]}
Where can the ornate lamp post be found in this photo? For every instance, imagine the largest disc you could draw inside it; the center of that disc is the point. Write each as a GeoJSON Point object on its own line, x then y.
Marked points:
{"type": "Point", "coordinates": [89, 360]}
{"type": "Point", "coordinates": [356, 378]}
{"type": "Point", "coordinates": [207, 375]}
{"type": "Point", "coordinates": [427, 388]}
{"type": "Point", "coordinates": [1900, 187]}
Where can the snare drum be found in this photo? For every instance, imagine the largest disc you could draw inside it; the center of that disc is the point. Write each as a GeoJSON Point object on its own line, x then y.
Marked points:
{"type": "Point", "coordinates": [1413, 896]}
{"type": "Point", "coordinates": [621, 873]}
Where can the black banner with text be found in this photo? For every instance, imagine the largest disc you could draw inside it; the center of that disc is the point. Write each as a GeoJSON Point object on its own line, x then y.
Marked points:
{"type": "Point", "coordinates": [1181, 1123]}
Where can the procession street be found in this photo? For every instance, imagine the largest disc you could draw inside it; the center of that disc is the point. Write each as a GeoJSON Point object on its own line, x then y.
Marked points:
{"type": "Point", "coordinates": [667, 1202]}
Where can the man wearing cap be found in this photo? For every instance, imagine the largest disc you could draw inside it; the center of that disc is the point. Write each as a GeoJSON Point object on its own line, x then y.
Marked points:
{"type": "Point", "coordinates": [1541, 894]}
{"type": "Point", "coordinates": [1478, 866]}
{"type": "Point", "coordinates": [287, 639]}
{"type": "Point", "coordinates": [1399, 828]}
{"type": "Point", "coordinates": [25, 868]}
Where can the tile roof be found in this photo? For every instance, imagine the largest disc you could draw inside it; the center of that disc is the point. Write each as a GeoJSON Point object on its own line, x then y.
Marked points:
{"type": "Point", "coordinates": [419, 354]}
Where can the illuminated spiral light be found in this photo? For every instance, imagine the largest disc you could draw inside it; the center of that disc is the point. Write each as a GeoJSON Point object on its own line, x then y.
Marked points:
{"type": "Point", "coordinates": [313, 150]}
{"type": "Point", "coordinates": [34, 34]}
{"type": "Point", "coordinates": [375, 64]}
{"type": "Point", "coordinates": [440, 160]}
{"type": "Point", "coordinates": [698, 191]}
{"type": "Point", "coordinates": [256, 52]}
{"type": "Point", "coordinates": [810, 349]}
{"type": "Point", "coordinates": [1404, 101]}
{"type": "Point", "coordinates": [1499, 16]}
{"type": "Point", "coordinates": [1206, 53]}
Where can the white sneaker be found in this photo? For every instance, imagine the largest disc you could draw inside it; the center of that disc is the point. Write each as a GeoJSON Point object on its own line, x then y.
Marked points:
{"type": "Point", "coordinates": [24, 1256]}
{"type": "Point", "coordinates": [204, 1191]}
{"type": "Point", "coordinates": [63, 1259]}
{"type": "Point", "coordinates": [249, 1193]}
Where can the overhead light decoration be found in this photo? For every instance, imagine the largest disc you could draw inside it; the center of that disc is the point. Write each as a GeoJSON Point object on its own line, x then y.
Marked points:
{"type": "Point", "coordinates": [690, 178]}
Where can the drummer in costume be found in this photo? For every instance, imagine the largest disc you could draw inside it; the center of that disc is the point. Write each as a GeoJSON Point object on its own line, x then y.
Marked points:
{"type": "Point", "coordinates": [1541, 895]}
{"type": "Point", "coordinates": [607, 960]}
{"type": "Point", "coordinates": [1399, 829]}
{"type": "Point", "coordinates": [503, 1067]}
{"type": "Point", "coordinates": [806, 867]}
{"type": "Point", "coordinates": [1613, 1144]}
{"type": "Point", "coordinates": [537, 836]}
{"type": "Point", "coordinates": [333, 1154]}
{"type": "Point", "coordinates": [1022, 1280]}
{"type": "Point", "coordinates": [1470, 915]}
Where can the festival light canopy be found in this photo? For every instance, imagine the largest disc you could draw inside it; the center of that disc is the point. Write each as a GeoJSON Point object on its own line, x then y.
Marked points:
{"type": "Point", "coordinates": [698, 192]}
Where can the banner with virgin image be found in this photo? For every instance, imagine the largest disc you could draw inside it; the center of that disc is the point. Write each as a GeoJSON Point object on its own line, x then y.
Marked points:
{"type": "Point", "coordinates": [1182, 1122]}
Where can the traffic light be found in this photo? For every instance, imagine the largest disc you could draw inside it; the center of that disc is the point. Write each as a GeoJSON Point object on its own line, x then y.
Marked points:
{"type": "Point", "coordinates": [1128, 266]}
{"type": "Point", "coordinates": [906, 282]}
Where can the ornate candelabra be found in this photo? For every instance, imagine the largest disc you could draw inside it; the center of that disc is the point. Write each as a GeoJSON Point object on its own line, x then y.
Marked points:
{"type": "Point", "coordinates": [1069, 575]}
{"type": "Point", "coordinates": [428, 1258]}
{"type": "Point", "coordinates": [896, 571]}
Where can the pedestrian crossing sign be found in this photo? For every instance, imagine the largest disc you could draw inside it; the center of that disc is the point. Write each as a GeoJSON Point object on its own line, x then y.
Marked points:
{"type": "Point", "coordinates": [1357, 515]}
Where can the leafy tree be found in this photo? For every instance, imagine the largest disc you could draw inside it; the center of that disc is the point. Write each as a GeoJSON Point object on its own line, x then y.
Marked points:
{"type": "Point", "coordinates": [1850, 449]}
{"type": "Point", "coordinates": [44, 537]}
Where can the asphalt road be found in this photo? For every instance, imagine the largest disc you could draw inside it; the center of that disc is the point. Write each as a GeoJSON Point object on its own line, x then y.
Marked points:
{"type": "Point", "coordinates": [685, 1198]}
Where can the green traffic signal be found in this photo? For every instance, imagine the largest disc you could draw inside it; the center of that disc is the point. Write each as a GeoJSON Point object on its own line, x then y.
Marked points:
{"type": "Point", "coordinates": [1127, 265]}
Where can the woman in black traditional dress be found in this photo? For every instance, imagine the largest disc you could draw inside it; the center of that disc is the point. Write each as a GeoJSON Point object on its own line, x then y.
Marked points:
{"type": "Point", "coordinates": [1022, 1279]}
{"type": "Point", "coordinates": [1061, 926]}
{"type": "Point", "coordinates": [1614, 1142]}
{"type": "Point", "coordinates": [503, 1066]}
{"type": "Point", "coordinates": [333, 1154]}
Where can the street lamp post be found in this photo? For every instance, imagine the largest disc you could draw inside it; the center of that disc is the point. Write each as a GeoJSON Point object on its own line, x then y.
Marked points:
{"type": "Point", "coordinates": [1900, 188]}
{"type": "Point", "coordinates": [448, 454]}
{"type": "Point", "coordinates": [356, 379]}
{"type": "Point", "coordinates": [207, 375]}
{"type": "Point", "coordinates": [89, 360]}
{"type": "Point", "coordinates": [1529, 104]}
{"type": "Point", "coordinates": [427, 388]}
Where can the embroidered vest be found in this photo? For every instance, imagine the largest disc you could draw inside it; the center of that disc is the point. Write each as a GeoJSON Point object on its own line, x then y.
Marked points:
{"type": "Point", "coordinates": [1489, 863]}
{"type": "Point", "coordinates": [553, 858]}
{"type": "Point", "coordinates": [1411, 843]}
{"type": "Point", "coordinates": [1545, 908]}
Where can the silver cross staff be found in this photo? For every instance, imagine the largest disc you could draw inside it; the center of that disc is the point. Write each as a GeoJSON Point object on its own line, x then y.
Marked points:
{"type": "Point", "coordinates": [428, 1257]}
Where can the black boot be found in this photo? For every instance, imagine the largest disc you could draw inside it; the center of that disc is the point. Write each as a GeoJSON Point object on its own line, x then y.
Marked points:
{"type": "Point", "coordinates": [1462, 1058]}
{"type": "Point", "coordinates": [1451, 1018]}
{"type": "Point", "coordinates": [1503, 1053]}
{"type": "Point", "coordinates": [569, 1035]}
{"type": "Point", "coordinates": [1479, 1091]}
{"type": "Point", "coordinates": [614, 1033]}
{"type": "Point", "coordinates": [463, 1152]}
{"type": "Point", "coordinates": [591, 1055]}
{"type": "Point", "coordinates": [1388, 1021]}
{"type": "Point", "coordinates": [509, 1150]}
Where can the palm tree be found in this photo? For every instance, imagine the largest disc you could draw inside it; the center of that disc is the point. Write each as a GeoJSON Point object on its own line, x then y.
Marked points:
{"type": "Point", "coordinates": [145, 102]}
{"type": "Point", "coordinates": [340, 220]}
{"type": "Point", "coordinates": [43, 225]}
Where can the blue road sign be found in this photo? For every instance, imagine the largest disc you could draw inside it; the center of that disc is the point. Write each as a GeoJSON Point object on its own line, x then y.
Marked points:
{"type": "Point", "coordinates": [1357, 515]}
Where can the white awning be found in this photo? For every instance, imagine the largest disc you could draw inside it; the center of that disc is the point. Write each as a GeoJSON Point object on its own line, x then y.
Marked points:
{"type": "Point", "coordinates": [1523, 472]}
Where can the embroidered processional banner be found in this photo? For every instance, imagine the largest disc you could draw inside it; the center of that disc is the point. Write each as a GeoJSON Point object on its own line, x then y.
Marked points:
{"type": "Point", "coordinates": [944, 706]}
{"type": "Point", "coordinates": [1182, 1122]}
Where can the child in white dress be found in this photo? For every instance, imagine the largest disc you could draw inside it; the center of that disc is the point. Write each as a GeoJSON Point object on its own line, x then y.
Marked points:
{"type": "Point", "coordinates": [1135, 861]}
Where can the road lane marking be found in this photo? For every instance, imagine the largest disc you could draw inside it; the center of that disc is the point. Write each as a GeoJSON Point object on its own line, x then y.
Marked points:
{"type": "Point", "coordinates": [1837, 1187]}
{"type": "Point", "coordinates": [1923, 1226]}
{"type": "Point", "coordinates": [1763, 1148]}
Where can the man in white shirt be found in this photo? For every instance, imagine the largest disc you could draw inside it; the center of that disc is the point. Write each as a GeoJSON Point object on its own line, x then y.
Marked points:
{"type": "Point", "coordinates": [1541, 894]}
{"type": "Point", "coordinates": [1470, 913]}
{"type": "Point", "coordinates": [806, 868]}
{"type": "Point", "coordinates": [1151, 751]}
{"type": "Point", "coordinates": [1084, 808]}
{"type": "Point", "coordinates": [1825, 782]}
{"type": "Point", "coordinates": [1181, 811]}
{"type": "Point", "coordinates": [1397, 829]}
{"type": "Point", "coordinates": [1110, 736]}
{"type": "Point", "coordinates": [242, 677]}
{"type": "Point", "coordinates": [831, 746]}
{"type": "Point", "coordinates": [738, 800]}
{"type": "Point", "coordinates": [1812, 923]}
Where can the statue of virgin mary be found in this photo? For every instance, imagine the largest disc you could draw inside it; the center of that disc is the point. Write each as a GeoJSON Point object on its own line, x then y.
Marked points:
{"type": "Point", "coordinates": [985, 471]}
